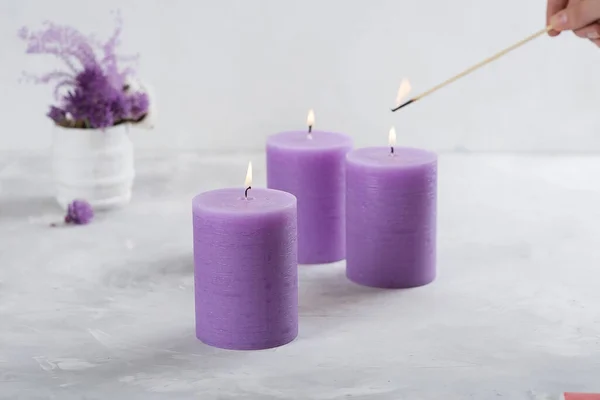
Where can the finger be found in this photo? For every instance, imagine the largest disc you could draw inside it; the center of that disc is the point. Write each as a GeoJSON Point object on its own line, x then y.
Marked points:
{"type": "Point", "coordinates": [576, 16]}
{"type": "Point", "coordinates": [552, 8]}
{"type": "Point", "coordinates": [596, 42]}
{"type": "Point", "coordinates": [591, 31]}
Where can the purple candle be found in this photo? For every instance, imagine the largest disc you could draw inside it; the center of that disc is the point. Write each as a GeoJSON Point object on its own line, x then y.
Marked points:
{"type": "Point", "coordinates": [310, 165]}
{"type": "Point", "coordinates": [391, 196]}
{"type": "Point", "coordinates": [245, 267]}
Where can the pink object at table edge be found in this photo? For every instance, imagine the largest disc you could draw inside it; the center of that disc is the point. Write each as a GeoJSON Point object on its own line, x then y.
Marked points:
{"type": "Point", "coordinates": [581, 396]}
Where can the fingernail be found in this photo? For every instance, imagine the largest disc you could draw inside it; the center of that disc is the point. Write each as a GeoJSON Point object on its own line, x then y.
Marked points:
{"type": "Point", "coordinates": [593, 35]}
{"type": "Point", "coordinates": [559, 20]}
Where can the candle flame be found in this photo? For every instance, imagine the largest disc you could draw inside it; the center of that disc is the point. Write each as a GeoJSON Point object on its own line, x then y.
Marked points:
{"type": "Point", "coordinates": [392, 137]}
{"type": "Point", "coordinates": [403, 91]}
{"type": "Point", "coordinates": [248, 181]}
{"type": "Point", "coordinates": [310, 120]}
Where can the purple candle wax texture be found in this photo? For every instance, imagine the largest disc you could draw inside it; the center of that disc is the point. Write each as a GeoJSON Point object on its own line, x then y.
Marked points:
{"type": "Point", "coordinates": [245, 268]}
{"type": "Point", "coordinates": [312, 168]}
{"type": "Point", "coordinates": [391, 202]}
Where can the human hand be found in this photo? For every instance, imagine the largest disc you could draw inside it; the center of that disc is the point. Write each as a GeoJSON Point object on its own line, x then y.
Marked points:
{"type": "Point", "coordinates": [553, 7]}
{"type": "Point", "coordinates": [580, 16]}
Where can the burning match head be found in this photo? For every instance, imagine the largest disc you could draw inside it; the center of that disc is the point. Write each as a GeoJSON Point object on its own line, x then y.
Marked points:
{"type": "Point", "coordinates": [403, 105]}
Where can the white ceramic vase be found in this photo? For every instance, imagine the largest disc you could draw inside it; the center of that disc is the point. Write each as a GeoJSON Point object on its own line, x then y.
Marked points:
{"type": "Point", "coordinates": [93, 165]}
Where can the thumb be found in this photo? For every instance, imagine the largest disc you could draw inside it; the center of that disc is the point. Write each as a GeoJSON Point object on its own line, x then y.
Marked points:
{"type": "Point", "coordinates": [576, 16]}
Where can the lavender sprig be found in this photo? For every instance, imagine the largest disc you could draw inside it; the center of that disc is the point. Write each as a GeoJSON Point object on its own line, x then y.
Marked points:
{"type": "Point", "coordinates": [79, 212]}
{"type": "Point", "coordinates": [58, 115]}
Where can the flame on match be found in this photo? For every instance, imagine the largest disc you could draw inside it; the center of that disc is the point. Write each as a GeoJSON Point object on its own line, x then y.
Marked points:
{"type": "Point", "coordinates": [403, 91]}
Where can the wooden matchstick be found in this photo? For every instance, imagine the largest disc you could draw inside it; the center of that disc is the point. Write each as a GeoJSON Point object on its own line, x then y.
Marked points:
{"type": "Point", "coordinates": [475, 67]}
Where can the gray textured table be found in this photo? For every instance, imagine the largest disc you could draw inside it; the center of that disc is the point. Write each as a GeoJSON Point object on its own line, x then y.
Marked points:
{"type": "Point", "coordinates": [106, 310]}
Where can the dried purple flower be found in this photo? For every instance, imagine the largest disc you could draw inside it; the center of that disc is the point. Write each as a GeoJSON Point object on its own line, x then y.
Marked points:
{"type": "Point", "coordinates": [137, 104]}
{"type": "Point", "coordinates": [96, 96]}
{"type": "Point", "coordinates": [95, 100]}
{"type": "Point", "coordinates": [64, 42]}
{"type": "Point", "coordinates": [79, 212]}
{"type": "Point", "coordinates": [58, 115]}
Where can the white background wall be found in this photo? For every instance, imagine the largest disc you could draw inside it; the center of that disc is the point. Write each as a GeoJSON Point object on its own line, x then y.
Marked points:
{"type": "Point", "coordinates": [230, 72]}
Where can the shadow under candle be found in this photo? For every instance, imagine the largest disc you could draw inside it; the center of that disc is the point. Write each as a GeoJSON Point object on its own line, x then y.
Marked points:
{"type": "Point", "coordinates": [327, 298]}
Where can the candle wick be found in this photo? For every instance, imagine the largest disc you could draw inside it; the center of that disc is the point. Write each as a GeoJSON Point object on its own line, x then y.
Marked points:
{"type": "Point", "coordinates": [392, 149]}
{"type": "Point", "coordinates": [310, 129]}
{"type": "Point", "coordinates": [246, 191]}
